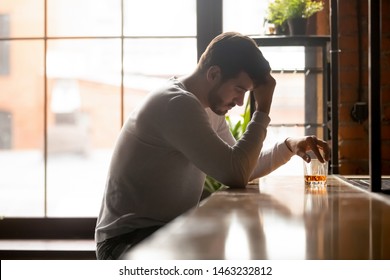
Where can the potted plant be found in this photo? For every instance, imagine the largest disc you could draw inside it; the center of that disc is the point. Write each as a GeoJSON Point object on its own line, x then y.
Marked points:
{"type": "Point", "coordinates": [276, 16]}
{"type": "Point", "coordinates": [294, 12]}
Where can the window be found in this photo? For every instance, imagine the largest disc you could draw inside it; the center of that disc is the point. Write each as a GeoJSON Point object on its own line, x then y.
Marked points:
{"type": "Point", "coordinates": [245, 16]}
{"type": "Point", "coordinates": [75, 70]}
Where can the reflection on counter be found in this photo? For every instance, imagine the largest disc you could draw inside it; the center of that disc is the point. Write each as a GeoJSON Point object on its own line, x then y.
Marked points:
{"type": "Point", "coordinates": [236, 231]}
{"type": "Point", "coordinates": [316, 200]}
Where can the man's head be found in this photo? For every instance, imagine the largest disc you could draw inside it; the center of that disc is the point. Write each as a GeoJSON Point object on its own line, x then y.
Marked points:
{"type": "Point", "coordinates": [233, 65]}
{"type": "Point", "coordinates": [234, 53]}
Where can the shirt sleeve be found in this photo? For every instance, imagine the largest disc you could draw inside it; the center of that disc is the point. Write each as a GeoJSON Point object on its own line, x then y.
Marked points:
{"type": "Point", "coordinates": [221, 127]}
{"type": "Point", "coordinates": [187, 128]}
{"type": "Point", "coordinates": [269, 160]}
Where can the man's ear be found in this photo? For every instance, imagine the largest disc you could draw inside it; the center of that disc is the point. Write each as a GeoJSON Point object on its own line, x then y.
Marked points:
{"type": "Point", "coordinates": [214, 74]}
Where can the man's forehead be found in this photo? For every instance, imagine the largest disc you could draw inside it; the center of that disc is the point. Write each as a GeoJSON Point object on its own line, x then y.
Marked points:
{"type": "Point", "coordinates": [244, 81]}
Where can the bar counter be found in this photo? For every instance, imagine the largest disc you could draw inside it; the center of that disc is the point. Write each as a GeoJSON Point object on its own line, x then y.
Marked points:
{"type": "Point", "coordinates": [278, 219]}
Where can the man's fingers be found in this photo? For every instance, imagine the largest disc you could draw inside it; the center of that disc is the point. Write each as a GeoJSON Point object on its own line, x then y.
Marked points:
{"type": "Point", "coordinates": [303, 155]}
{"type": "Point", "coordinates": [315, 145]}
{"type": "Point", "coordinates": [325, 149]}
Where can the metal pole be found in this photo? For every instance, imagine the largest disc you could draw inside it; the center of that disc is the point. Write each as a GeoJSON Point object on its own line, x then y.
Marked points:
{"type": "Point", "coordinates": [334, 70]}
{"type": "Point", "coordinates": [374, 93]}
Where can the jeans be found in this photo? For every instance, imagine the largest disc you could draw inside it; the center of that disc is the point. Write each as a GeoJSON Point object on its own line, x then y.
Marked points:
{"type": "Point", "coordinates": [113, 248]}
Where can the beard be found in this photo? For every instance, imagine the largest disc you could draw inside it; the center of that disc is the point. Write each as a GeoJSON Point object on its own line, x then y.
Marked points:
{"type": "Point", "coordinates": [216, 102]}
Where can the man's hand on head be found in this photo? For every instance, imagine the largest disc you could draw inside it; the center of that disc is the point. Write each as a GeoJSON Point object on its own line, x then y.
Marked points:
{"type": "Point", "coordinates": [263, 94]}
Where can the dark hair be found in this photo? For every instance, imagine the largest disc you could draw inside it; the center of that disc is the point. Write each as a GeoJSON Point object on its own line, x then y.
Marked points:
{"type": "Point", "coordinates": [234, 53]}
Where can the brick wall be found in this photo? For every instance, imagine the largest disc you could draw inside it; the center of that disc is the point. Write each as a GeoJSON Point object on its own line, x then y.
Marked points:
{"type": "Point", "coordinates": [353, 135]}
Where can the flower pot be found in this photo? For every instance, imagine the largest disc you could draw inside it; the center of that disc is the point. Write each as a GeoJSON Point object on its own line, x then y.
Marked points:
{"type": "Point", "coordinates": [297, 26]}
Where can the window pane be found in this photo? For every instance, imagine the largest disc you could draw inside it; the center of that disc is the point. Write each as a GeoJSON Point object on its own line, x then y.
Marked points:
{"type": "Point", "coordinates": [160, 18]}
{"type": "Point", "coordinates": [244, 16]}
{"type": "Point", "coordinates": [84, 18]}
{"type": "Point", "coordinates": [284, 62]}
{"type": "Point", "coordinates": [288, 106]}
{"type": "Point", "coordinates": [149, 62]}
{"type": "Point", "coordinates": [83, 122]}
{"type": "Point", "coordinates": [285, 58]}
{"type": "Point", "coordinates": [26, 17]}
{"type": "Point", "coordinates": [22, 132]}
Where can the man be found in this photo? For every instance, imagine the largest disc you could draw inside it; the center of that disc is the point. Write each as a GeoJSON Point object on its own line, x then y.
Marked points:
{"type": "Point", "coordinates": [179, 134]}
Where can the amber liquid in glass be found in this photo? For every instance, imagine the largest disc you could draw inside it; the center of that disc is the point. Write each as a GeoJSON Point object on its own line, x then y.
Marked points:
{"type": "Point", "coordinates": [314, 178]}
{"type": "Point", "coordinates": [315, 181]}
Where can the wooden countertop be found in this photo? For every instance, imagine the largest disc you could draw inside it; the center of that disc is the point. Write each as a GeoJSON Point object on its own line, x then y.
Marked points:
{"type": "Point", "coordinates": [278, 220]}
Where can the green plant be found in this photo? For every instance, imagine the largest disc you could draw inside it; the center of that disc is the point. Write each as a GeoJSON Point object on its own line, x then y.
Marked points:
{"type": "Point", "coordinates": [276, 13]}
{"type": "Point", "coordinates": [237, 129]}
{"type": "Point", "coordinates": [280, 11]}
{"type": "Point", "coordinates": [302, 8]}
{"type": "Point", "coordinates": [211, 185]}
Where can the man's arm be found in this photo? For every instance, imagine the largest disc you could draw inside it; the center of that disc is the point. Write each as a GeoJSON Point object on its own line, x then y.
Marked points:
{"type": "Point", "coordinates": [187, 128]}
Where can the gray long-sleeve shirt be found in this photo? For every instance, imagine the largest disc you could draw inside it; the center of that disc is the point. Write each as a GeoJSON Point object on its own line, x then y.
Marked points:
{"type": "Point", "coordinates": [162, 156]}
